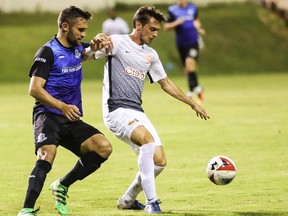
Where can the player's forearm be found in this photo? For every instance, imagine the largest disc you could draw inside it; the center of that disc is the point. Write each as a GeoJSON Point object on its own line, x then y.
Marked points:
{"type": "Point", "coordinates": [172, 25]}
{"type": "Point", "coordinates": [169, 87]}
{"type": "Point", "coordinates": [41, 95]}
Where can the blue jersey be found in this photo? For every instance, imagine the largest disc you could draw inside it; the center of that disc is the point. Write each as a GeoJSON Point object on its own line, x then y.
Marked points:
{"type": "Point", "coordinates": [186, 34]}
{"type": "Point", "coordinates": [61, 67]}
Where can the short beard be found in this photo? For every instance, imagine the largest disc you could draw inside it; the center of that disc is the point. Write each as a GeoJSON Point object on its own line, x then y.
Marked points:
{"type": "Point", "coordinates": [71, 39]}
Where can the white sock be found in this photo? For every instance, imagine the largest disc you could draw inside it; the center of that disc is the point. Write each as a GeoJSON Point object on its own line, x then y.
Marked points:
{"type": "Point", "coordinates": [136, 188]}
{"type": "Point", "coordinates": [198, 89]}
{"type": "Point", "coordinates": [189, 94]}
{"type": "Point", "coordinates": [146, 167]}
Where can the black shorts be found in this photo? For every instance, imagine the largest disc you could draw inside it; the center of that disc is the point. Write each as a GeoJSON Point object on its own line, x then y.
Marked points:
{"type": "Point", "coordinates": [189, 51]}
{"type": "Point", "coordinates": [54, 129]}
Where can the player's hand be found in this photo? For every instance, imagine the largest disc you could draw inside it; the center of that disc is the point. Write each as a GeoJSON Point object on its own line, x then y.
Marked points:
{"type": "Point", "coordinates": [71, 112]}
{"type": "Point", "coordinates": [101, 41]}
{"type": "Point", "coordinates": [200, 112]}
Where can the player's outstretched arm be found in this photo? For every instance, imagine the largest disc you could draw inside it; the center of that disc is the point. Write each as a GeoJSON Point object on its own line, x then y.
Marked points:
{"type": "Point", "coordinates": [169, 87]}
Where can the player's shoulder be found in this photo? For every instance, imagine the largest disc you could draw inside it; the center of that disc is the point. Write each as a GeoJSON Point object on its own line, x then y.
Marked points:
{"type": "Point", "coordinates": [150, 50]}
{"type": "Point", "coordinates": [45, 50]}
{"type": "Point", "coordinates": [173, 7]}
{"type": "Point", "coordinates": [119, 37]}
{"type": "Point", "coordinates": [54, 44]}
{"type": "Point", "coordinates": [191, 5]}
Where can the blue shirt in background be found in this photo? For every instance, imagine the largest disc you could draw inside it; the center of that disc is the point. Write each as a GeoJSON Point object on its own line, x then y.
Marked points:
{"type": "Point", "coordinates": [186, 34]}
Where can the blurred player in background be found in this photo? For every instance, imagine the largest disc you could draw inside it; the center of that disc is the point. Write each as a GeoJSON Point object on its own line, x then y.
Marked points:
{"type": "Point", "coordinates": [127, 65]}
{"type": "Point", "coordinates": [55, 83]}
{"type": "Point", "coordinates": [183, 18]}
{"type": "Point", "coordinates": [114, 24]}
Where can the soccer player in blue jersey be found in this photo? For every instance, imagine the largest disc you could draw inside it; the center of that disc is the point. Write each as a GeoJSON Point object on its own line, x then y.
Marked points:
{"type": "Point", "coordinates": [130, 61]}
{"type": "Point", "coordinates": [184, 19]}
{"type": "Point", "coordinates": [55, 83]}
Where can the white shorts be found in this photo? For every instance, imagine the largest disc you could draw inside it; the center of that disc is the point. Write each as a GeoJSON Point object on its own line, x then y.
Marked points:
{"type": "Point", "coordinates": [121, 122]}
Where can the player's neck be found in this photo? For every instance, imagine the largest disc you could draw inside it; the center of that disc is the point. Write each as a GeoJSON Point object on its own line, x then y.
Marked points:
{"type": "Point", "coordinates": [63, 40]}
{"type": "Point", "coordinates": [133, 36]}
{"type": "Point", "coordinates": [183, 5]}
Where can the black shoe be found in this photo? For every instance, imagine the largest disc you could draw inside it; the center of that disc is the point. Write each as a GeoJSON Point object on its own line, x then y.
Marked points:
{"type": "Point", "coordinates": [136, 205]}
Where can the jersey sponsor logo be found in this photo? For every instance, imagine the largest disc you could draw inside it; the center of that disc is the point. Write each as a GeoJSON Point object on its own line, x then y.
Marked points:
{"type": "Point", "coordinates": [72, 69]}
{"type": "Point", "coordinates": [133, 72]}
{"type": "Point", "coordinates": [61, 57]}
{"type": "Point", "coordinates": [42, 137]}
{"type": "Point", "coordinates": [40, 59]}
{"type": "Point", "coordinates": [190, 12]}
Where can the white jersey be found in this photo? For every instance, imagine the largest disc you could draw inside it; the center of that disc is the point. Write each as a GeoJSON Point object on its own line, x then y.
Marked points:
{"type": "Point", "coordinates": [125, 71]}
{"type": "Point", "coordinates": [116, 26]}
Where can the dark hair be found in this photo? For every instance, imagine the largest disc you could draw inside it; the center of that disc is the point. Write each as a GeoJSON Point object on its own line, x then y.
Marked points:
{"type": "Point", "coordinates": [144, 13]}
{"type": "Point", "coordinates": [70, 13]}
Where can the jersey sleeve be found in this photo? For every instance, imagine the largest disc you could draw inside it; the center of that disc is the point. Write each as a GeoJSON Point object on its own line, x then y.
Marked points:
{"type": "Point", "coordinates": [196, 13]}
{"type": "Point", "coordinates": [42, 64]}
{"type": "Point", "coordinates": [156, 70]}
{"type": "Point", "coordinates": [171, 16]}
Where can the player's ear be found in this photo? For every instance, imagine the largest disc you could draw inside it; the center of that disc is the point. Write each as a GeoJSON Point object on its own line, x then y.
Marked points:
{"type": "Point", "coordinates": [64, 26]}
{"type": "Point", "coordinates": [138, 25]}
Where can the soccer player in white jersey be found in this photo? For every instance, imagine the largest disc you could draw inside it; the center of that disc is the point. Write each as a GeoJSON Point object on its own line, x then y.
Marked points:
{"type": "Point", "coordinates": [114, 24]}
{"type": "Point", "coordinates": [127, 65]}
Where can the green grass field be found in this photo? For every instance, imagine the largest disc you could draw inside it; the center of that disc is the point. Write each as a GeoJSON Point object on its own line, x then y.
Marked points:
{"type": "Point", "coordinates": [248, 123]}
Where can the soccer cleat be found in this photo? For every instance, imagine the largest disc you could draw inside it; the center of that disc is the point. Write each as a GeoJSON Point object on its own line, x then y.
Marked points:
{"type": "Point", "coordinates": [60, 193]}
{"type": "Point", "coordinates": [136, 205]}
{"type": "Point", "coordinates": [27, 212]}
{"type": "Point", "coordinates": [153, 208]}
{"type": "Point", "coordinates": [201, 97]}
{"type": "Point", "coordinates": [200, 92]}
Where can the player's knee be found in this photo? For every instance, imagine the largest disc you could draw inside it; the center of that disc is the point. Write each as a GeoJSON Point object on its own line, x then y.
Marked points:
{"type": "Point", "coordinates": [98, 144]}
{"type": "Point", "coordinates": [160, 160]}
{"type": "Point", "coordinates": [159, 157]}
{"type": "Point", "coordinates": [161, 163]}
{"type": "Point", "coordinates": [104, 148]}
{"type": "Point", "coordinates": [47, 153]}
{"type": "Point", "coordinates": [107, 148]}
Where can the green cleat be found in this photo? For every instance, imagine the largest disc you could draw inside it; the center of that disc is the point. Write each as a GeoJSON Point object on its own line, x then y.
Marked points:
{"type": "Point", "coordinates": [60, 193]}
{"type": "Point", "coordinates": [27, 212]}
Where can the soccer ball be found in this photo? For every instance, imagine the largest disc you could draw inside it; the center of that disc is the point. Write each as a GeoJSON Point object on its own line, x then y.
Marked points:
{"type": "Point", "coordinates": [221, 170]}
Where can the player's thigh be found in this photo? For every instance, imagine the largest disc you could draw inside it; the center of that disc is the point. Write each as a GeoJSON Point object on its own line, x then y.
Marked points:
{"type": "Point", "coordinates": [140, 135]}
{"type": "Point", "coordinates": [81, 138]}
